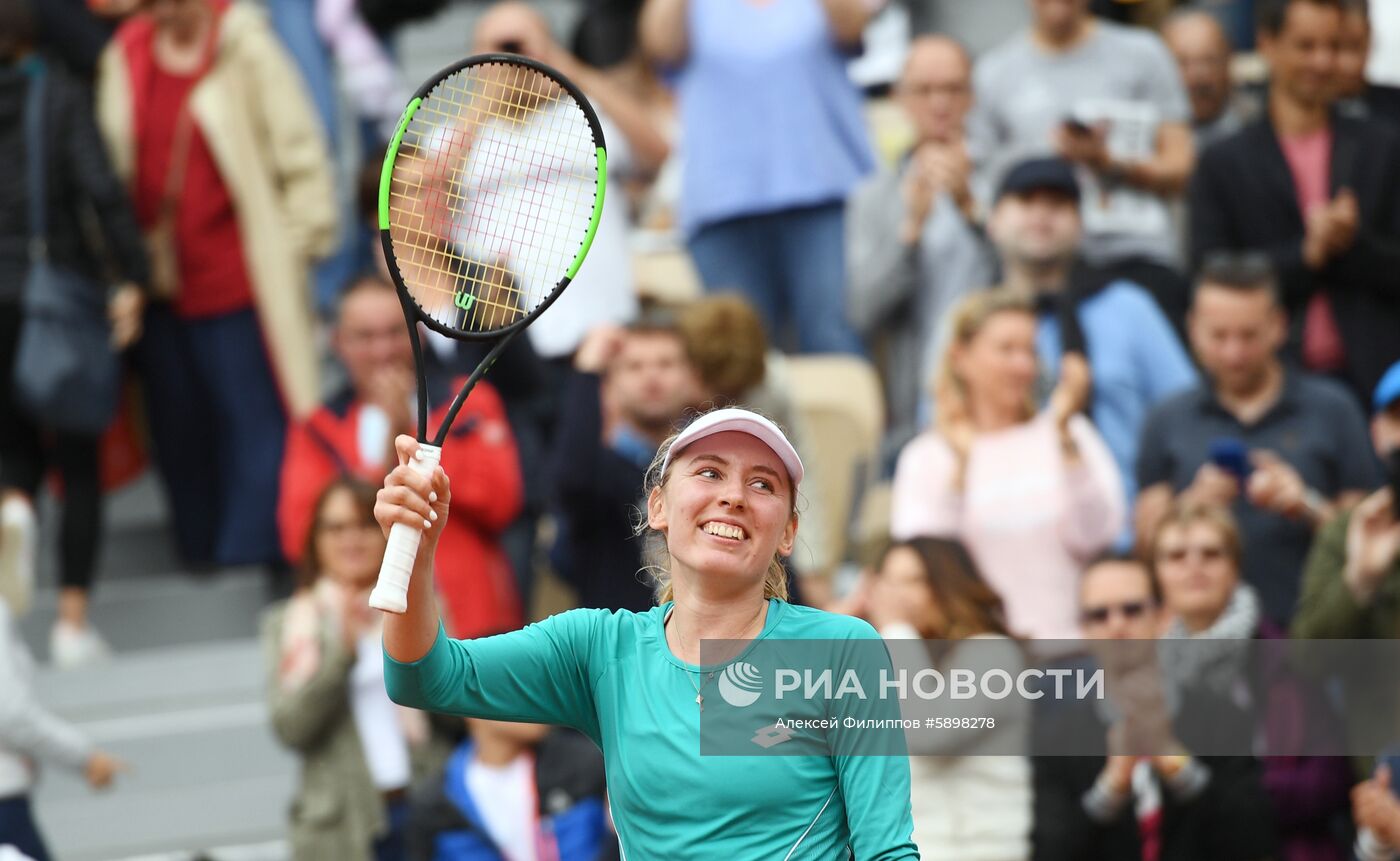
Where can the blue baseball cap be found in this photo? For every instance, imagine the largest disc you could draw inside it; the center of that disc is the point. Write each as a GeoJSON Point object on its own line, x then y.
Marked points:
{"type": "Point", "coordinates": [1387, 390]}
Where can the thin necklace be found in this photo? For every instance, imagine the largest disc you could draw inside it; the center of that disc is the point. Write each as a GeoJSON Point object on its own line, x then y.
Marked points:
{"type": "Point", "coordinates": [700, 697]}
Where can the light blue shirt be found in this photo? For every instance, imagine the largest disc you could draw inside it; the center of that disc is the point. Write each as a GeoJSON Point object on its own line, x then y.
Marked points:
{"type": "Point", "coordinates": [769, 119]}
{"type": "Point", "coordinates": [1136, 360]}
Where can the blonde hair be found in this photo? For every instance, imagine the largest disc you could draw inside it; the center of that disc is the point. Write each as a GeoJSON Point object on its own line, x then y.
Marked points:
{"type": "Point", "coordinates": [654, 552]}
{"type": "Point", "coordinates": [1185, 513]}
{"type": "Point", "coordinates": [968, 318]}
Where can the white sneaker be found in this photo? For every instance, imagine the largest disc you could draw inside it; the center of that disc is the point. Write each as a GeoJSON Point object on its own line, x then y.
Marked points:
{"type": "Point", "coordinates": [19, 545]}
{"type": "Point", "coordinates": [71, 647]}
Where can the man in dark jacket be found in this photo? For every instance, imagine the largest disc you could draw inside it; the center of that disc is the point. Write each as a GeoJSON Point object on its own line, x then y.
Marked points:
{"type": "Point", "coordinates": [1173, 806]}
{"type": "Point", "coordinates": [628, 389]}
{"type": "Point", "coordinates": [1320, 193]}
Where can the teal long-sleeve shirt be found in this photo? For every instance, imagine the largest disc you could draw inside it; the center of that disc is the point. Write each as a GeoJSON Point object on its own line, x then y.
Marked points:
{"type": "Point", "coordinates": [612, 676]}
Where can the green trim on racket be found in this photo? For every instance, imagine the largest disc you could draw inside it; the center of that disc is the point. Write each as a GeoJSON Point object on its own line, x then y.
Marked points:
{"type": "Point", "coordinates": [597, 214]}
{"type": "Point", "coordinates": [387, 170]}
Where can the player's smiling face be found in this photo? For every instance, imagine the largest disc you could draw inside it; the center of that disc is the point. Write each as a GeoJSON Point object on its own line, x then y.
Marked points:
{"type": "Point", "coordinates": [725, 508]}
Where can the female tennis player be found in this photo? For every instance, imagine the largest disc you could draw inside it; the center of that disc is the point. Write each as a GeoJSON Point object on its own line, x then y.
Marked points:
{"type": "Point", "coordinates": [722, 494]}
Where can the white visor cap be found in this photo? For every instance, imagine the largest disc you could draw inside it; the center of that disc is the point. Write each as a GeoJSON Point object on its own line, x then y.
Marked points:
{"type": "Point", "coordinates": [742, 421]}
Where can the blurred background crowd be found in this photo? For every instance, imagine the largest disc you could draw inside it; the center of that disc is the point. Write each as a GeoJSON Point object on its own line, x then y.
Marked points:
{"type": "Point", "coordinates": [1084, 314]}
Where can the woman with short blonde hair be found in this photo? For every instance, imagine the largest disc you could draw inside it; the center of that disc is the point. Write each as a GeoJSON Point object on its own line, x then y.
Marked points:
{"type": "Point", "coordinates": [1214, 639]}
{"type": "Point", "coordinates": [1032, 494]}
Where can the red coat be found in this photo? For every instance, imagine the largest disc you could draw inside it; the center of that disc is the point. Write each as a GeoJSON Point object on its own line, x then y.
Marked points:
{"type": "Point", "coordinates": [474, 577]}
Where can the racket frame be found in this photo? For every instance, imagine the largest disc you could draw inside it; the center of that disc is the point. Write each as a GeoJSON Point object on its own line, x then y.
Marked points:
{"type": "Point", "coordinates": [506, 334]}
{"type": "Point", "coordinates": [390, 592]}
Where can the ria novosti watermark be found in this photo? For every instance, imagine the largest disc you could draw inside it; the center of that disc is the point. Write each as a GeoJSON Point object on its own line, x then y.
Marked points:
{"type": "Point", "coordinates": [1061, 698]}
{"type": "Point", "coordinates": [931, 684]}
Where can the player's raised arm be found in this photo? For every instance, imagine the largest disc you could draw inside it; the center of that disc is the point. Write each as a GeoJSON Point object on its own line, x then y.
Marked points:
{"type": "Point", "coordinates": [420, 501]}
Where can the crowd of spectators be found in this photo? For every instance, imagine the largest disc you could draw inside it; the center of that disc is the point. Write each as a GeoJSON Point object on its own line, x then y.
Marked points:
{"type": "Point", "coordinates": [1134, 309]}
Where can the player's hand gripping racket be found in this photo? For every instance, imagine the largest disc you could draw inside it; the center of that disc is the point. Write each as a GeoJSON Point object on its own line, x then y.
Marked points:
{"type": "Point", "coordinates": [488, 202]}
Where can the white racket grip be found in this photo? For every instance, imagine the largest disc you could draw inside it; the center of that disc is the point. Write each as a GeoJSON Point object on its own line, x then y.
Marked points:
{"type": "Point", "coordinates": [391, 592]}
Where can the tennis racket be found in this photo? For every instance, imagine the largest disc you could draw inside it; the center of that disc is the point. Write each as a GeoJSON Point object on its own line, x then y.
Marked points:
{"type": "Point", "coordinates": [488, 202]}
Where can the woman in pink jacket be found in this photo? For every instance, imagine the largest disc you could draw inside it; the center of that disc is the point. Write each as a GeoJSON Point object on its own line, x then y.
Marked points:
{"type": "Point", "coordinates": [1032, 495]}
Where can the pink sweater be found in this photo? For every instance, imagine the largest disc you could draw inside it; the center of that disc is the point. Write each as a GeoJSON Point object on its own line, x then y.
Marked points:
{"type": "Point", "coordinates": [1028, 521]}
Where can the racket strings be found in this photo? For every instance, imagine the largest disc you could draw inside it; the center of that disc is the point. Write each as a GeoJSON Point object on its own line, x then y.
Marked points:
{"type": "Point", "coordinates": [517, 164]}
{"type": "Point", "coordinates": [492, 192]}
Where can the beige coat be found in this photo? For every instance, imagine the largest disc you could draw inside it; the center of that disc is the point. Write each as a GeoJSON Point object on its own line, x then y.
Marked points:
{"type": "Point", "coordinates": [253, 111]}
{"type": "Point", "coordinates": [337, 813]}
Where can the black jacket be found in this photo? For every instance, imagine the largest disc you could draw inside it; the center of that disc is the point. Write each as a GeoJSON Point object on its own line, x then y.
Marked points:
{"type": "Point", "coordinates": [1231, 820]}
{"type": "Point", "coordinates": [84, 195]}
{"type": "Point", "coordinates": [597, 493]}
{"type": "Point", "coordinates": [1243, 197]}
{"type": "Point", "coordinates": [1377, 102]}
{"type": "Point", "coordinates": [73, 33]}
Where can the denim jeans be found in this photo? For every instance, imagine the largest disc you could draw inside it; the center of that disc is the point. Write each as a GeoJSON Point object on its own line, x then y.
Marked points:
{"type": "Point", "coordinates": [218, 427]}
{"type": "Point", "coordinates": [791, 265]}
{"type": "Point", "coordinates": [392, 846]}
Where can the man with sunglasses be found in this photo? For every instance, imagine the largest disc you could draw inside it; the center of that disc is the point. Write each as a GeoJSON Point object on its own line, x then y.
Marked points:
{"type": "Point", "coordinates": [1173, 806]}
{"type": "Point", "coordinates": [1119, 600]}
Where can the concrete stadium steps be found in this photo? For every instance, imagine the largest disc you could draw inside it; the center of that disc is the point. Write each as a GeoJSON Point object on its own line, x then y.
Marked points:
{"type": "Point", "coordinates": [205, 769]}
{"type": "Point", "coordinates": [142, 599]}
{"type": "Point", "coordinates": [163, 611]}
{"type": "Point", "coordinates": [182, 702]}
